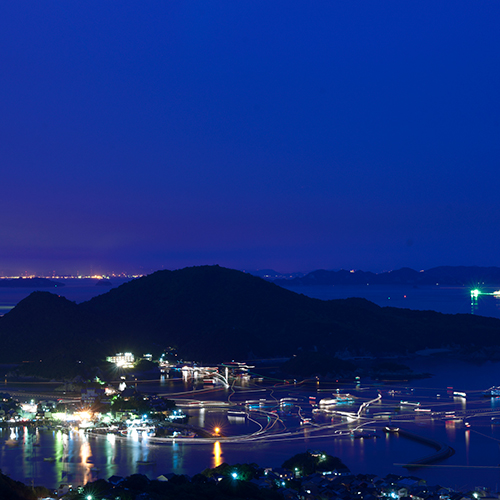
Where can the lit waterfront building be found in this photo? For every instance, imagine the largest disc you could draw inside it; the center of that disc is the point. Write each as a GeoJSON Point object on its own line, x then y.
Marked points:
{"type": "Point", "coordinates": [123, 360]}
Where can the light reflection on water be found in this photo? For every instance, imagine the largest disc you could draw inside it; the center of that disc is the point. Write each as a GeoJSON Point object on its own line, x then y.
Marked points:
{"type": "Point", "coordinates": [177, 456]}
{"type": "Point", "coordinates": [217, 455]}
{"type": "Point", "coordinates": [451, 431]}
{"type": "Point", "coordinates": [467, 444]}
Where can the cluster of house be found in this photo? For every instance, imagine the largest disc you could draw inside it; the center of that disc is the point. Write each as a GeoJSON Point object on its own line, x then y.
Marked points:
{"type": "Point", "coordinates": [342, 485]}
{"type": "Point", "coordinates": [338, 484]}
{"type": "Point", "coordinates": [9, 408]}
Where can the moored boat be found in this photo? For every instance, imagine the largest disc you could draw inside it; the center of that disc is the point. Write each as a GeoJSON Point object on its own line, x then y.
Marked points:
{"type": "Point", "coordinates": [337, 399]}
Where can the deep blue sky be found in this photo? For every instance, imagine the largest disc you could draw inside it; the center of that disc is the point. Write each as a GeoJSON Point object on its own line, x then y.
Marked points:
{"type": "Point", "coordinates": [287, 134]}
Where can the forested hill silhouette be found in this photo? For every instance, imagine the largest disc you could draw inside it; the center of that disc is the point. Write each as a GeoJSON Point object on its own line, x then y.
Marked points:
{"type": "Point", "coordinates": [210, 313]}
{"type": "Point", "coordinates": [443, 275]}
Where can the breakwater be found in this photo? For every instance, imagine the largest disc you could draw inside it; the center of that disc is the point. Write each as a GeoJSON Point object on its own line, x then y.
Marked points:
{"type": "Point", "coordinates": [442, 450]}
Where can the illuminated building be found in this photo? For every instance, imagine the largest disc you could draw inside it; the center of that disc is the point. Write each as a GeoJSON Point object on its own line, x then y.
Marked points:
{"type": "Point", "coordinates": [123, 360]}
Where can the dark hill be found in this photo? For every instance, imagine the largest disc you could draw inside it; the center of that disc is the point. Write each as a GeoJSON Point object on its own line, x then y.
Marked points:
{"type": "Point", "coordinates": [215, 314]}
{"type": "Point", "coordinates": [46, 325]}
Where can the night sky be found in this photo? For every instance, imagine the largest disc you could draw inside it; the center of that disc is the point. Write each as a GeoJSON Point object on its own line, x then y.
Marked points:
{"type": "Point", "coordinates": [292, 135]}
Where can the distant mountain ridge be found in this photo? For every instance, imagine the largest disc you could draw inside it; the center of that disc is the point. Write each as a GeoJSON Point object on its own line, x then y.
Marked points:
{"type": "Point", "coordinates": [271, 274]}
{"type": "Point", "coordinates": [214, 314]}
{"type": "Point", "coordinates": [443, 275]}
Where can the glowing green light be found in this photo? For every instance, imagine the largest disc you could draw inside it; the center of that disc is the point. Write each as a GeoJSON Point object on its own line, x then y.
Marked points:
{"type": "Point", "coordinates": [474, 293]}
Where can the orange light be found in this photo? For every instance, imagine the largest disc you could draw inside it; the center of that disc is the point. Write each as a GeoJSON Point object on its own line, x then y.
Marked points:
{"type": "Point", "coordinates": [83, 415]}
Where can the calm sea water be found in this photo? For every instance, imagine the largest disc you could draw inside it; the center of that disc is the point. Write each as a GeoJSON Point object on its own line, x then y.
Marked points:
{"type": "Point", "coordinates": [80, 457]}
{"type": "Point", "coordinates": [76, 290]}
{"type": "Point", "coordinates": [449, 300]}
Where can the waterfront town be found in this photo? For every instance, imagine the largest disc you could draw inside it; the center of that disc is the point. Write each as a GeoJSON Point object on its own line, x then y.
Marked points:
{"type": "Point", "coordinates": [115, 406]}
{"type": "Point", "coordinates": [121, 410]}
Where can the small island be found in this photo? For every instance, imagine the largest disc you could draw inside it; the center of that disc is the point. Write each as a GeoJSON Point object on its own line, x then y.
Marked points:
{"type": "Point", "coordinates": [104, 282]}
